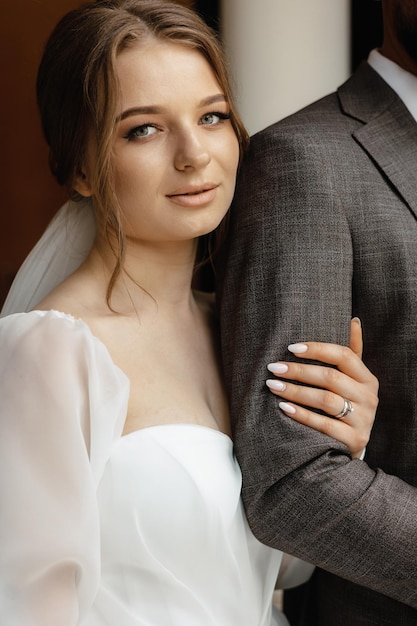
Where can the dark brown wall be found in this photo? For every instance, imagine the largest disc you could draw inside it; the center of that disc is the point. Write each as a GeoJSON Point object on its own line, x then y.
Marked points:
{"type": "Point", "coordinates": [29, 194]}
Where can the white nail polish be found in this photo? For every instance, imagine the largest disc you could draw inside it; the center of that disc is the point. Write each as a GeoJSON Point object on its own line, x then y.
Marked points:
{"type": "Point", "coordinates": [287, 408]}
{"type": "Point", "coordinates": [297, 348]}
{"type": "Point", "coordinates": [277, 368]}
{"type": "Point", "coordinates": [276, 385]}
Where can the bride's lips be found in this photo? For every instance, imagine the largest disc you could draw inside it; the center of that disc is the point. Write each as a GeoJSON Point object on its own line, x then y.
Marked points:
{"type": "Point", "coordinates": [194, 195]}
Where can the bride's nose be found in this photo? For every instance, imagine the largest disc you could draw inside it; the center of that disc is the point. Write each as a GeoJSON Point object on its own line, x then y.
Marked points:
{"type": "Point", "coordinates": [191, 152]}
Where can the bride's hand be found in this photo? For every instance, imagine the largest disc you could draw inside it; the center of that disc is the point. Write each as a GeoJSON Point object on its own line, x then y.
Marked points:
{"type": "Point", "coordinates": [348, 394]}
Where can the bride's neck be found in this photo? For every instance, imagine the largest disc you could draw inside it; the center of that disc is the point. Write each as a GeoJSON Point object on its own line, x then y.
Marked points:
{"type": "Point", "coordinates": [151, 274]}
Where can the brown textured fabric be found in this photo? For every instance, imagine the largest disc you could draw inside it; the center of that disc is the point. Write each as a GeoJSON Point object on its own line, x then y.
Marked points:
{"type": "Point", "coordinates": [324, 228]}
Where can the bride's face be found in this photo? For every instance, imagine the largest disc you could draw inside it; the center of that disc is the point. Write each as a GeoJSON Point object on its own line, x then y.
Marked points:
{"type": "Point", "coordinates": [175, 154]}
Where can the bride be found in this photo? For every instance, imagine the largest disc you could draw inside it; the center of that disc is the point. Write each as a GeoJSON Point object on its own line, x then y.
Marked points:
{"type": "Point", "coordinates": [120, 490]}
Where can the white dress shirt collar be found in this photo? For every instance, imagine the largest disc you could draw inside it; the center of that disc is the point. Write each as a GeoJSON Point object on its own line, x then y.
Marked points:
{"type": "Point", "coordinates": [403, 83]}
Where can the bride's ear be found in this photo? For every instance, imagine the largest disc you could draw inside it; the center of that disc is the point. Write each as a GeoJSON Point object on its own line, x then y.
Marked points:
{"type": "Point", "coordinates": [82, 184]}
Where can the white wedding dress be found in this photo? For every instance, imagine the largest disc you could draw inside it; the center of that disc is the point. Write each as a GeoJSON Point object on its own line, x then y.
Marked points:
{"type": "Point", "coordinates": [100, 529]}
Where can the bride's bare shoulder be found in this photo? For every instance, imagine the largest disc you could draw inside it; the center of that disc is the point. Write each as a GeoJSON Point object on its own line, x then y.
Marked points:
{"type": "Point", "coordinates": [75, 295]}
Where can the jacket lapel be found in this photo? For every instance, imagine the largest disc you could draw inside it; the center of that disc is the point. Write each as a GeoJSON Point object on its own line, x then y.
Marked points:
{"type": "Point", "coordinates": [389, 132]}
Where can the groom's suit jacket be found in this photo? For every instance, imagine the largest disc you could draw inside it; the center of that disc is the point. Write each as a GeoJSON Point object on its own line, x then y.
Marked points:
{"type": "Point", "coordinates": [323, 228]}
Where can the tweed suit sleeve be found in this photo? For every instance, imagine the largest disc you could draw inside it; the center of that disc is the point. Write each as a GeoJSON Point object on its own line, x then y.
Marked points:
{"type": "Point", "coordinates": [288, 278]}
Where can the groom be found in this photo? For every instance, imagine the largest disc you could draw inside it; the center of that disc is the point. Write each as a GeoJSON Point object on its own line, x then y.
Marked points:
{"type": "Point", "coordinates": [324, 228]}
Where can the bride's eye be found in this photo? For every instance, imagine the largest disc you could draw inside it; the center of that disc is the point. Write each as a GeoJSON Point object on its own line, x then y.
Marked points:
{"type": "Point", "coordinates": [141, 132]}
{"type": "Point", "coordinates": [214, 118]}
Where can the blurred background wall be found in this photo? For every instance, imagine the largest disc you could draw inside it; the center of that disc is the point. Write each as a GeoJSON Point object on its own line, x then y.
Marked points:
{"type": "Point", "coordinates": [283, 55]}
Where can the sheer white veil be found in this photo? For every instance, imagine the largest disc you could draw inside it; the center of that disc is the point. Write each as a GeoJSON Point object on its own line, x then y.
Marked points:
{"type": "Point", "coordinates": [62, 248]}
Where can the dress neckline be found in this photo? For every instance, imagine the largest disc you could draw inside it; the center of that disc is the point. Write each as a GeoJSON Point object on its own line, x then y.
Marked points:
{"type": "Point", "coordinates": [198, 428]}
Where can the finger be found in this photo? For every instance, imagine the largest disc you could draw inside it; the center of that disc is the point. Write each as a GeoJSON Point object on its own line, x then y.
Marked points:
{"type": "Point", "coordinates": [334, 354]}
{"type": "Point", "coordinates": [324, 377]}
{"type": "Point", "coordinates": [356, 342]}
{"type": "Point", "coordinates": [364, 405]}
{"type": "Point", "coordinates": [319, 399]}
{"type": "Point", "coordinates": [355, 439]}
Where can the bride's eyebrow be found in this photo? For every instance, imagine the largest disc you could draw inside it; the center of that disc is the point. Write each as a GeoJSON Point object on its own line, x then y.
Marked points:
{"type": "Point", "coordinates": [218, 97]}
{"type": "Point", "coordinates": [154, 108]}
{"type": "Point", "coordinates": [139, 111]}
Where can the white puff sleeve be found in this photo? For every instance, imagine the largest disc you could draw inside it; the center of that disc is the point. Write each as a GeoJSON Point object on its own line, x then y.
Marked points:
{"type": "Point", "coordinates": [62, 403]}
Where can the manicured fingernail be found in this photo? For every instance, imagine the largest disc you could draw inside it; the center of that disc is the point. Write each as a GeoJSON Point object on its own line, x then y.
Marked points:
{"type": "Point", "coordinates": [276, 385]}
{"type": "Point", "coordinates": [277, 368]}
{"type": "Point", "coordinates": [297, 348]}
{"type": "Point", "coordinates": [287, 408]}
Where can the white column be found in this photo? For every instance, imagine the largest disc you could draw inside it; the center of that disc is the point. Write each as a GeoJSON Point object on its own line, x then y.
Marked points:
{"type": "Point", "coordinates": [284, 54]}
